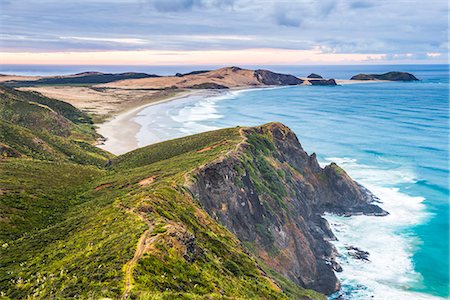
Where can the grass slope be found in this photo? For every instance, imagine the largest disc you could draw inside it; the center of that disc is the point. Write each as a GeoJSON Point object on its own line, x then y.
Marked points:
{"type": "Point", "coordinates": [87, 78]}
{"type": "Point", "coordinates": [39, 127]}
{"type": "Point", "coordinates": [69, 227]}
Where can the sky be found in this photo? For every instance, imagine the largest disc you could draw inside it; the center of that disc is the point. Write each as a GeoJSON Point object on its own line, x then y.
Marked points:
{"type": "Point", "coordinates": [196, 32]}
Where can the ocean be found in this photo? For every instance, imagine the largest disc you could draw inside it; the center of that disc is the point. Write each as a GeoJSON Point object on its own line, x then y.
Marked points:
{"type": "Point", "coordinates": [392, 137]}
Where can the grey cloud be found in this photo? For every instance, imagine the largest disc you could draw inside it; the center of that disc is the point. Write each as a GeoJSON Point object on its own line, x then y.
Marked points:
{"type": "Point", "coordinates": [174, 5]}
{"type": "Point", "coordinates": [186, 5]}
{"type": "Point", "coordinates": [361, 4]}
{"type": "Point", "coordinates": [293, 14]}
{"type": "Point", "coordinates": [285, 18]}
{"type": "Point", "coordinates": [341, 26]}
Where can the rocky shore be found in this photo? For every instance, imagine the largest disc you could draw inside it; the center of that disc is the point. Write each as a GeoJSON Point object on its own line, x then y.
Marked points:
{"type": "Point", "coordinates": [272, 195]}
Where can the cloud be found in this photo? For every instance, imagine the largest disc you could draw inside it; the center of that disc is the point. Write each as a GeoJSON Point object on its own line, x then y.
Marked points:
{"type": "Point", "coordinates": [174, 5]}
{"type": "Point", "coordinates": [362, 4]}
{"type": "Point", "coordinates": [108, 40]}
{"type": "Point", "coordinates": [293, 14]}
{"type": "Point", "coordinates": [186, 5]}
{"type": "Point", "coordinates": [329, 26]}
{"type": "Point", "coordinates": [285, 18]}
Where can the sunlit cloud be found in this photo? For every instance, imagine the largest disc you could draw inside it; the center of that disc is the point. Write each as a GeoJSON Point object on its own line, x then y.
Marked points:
{"type": "Point", "coordinates": [159, 57]}
{"type": "Point", "coordinates": [108, 40]}
{"type": "Point", "coordinates": [434, 54]}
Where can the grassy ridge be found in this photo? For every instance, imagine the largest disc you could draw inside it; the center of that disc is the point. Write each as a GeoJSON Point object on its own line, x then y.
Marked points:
{"type": "Point", "coordinates": [172, 148]}
{"type": "Point", "coordinates": [45, 146]}
{"type": "Point", "coordinates": [69, 224]}
{"type": "Point", "coordinates": [62, 108]}
{"type": "Point", "coordinates": [81, 79]}
{"type": "Point", "coordinates": [43, 128]}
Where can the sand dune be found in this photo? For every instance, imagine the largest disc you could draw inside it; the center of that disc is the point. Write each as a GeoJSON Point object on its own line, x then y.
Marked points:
{"type": "Point", "coordinates": [230, 77]}
{"type": "Point", "coordinates": [102, 103]}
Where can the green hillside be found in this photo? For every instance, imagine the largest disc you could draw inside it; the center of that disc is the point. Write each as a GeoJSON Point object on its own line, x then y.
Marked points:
{"type": "Point", "coordinates": [73, 226]}
{"type": "Point", "coordinates": [35, 126]}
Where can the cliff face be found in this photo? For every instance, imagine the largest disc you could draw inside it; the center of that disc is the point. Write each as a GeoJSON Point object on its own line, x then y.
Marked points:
{"type": "Point", "coordinates": [270, 78]}
{"type": "Point", "coordinates": [271, 194]}
{"type": "Point", "coordinates": [322, 82]}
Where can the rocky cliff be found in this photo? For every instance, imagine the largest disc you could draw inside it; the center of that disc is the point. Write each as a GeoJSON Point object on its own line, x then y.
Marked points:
{"type": "Point", "coordinates": [267, 77]}
{"type": "Point", "coordinates": [322, 82]}
{"type": "Point", "coordinates": [271, 194]}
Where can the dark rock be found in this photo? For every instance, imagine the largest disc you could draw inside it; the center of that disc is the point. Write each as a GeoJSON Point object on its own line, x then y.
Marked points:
{"type": "Point", "coordinates": [208, 85]}
{"type": "Point", "coordinates": [391, 76]}
{"type": "Point", "coordinates": [192, 73]}
{"type": "Point", "coordinates": [323, 82]}
{"type": "Point", "coordinates": [336, 266]}
{"type": "Point", "coordinates": [193, 251]}
{"type": "Point", "coordinates": [6, 151]}
{"type": "Point", "coordinates": [357, 253]}
{"type": "Point", "coordinates": [270, 78]}
{"type": "Point", "coordinates": [314, 75]}
{"type": "Point", "coordinates": [280, 215]}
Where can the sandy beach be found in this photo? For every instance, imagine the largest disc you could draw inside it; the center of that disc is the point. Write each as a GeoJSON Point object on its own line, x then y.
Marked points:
{"type": "Point", "coordinates": [349, 81]}
{"type": "Point", "coordinates": [114, 109]}
{"type": "Point", "coordinates": [120, 131]}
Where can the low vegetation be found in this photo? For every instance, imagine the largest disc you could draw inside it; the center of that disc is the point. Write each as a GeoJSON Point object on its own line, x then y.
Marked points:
{"type": "Point", "coordinates": [76, 222]}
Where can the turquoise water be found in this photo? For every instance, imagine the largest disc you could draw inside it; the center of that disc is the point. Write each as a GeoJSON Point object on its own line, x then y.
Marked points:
{"type": "Point", "coordinates": [392, 137]}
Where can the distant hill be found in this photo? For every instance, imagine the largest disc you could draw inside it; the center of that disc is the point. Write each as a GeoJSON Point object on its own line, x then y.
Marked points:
{"type": "Point", "coordinates": [391, 76]}
{"type": "Point", "coordinates": [81, 78]}
{"type": "Point", "coordinates": [229, 77]}
{"type": "Point", "coordinates": [314, 75]}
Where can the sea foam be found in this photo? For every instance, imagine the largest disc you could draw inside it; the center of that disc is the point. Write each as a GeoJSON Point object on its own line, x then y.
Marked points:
{"type": "Point", "coordinates": [390, 272]}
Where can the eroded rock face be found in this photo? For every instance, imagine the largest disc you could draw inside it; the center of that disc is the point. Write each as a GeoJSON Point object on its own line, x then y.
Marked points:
{"type": "Point", "coordinates": [208, 85]}
{"type": "Point", "coordinates": [322, 82]}
{"type": "Point", "coordinates": [270, 78]}
{"type": "Point", "coordinates": [271, 194]}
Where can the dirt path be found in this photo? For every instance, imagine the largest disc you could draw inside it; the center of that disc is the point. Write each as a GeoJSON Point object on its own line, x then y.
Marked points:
{"type": "Point", "coordinates": [129, 267]}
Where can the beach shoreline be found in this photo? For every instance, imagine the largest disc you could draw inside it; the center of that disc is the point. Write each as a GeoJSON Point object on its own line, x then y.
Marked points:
{"type": "Point", "coordinates": [120, 132]}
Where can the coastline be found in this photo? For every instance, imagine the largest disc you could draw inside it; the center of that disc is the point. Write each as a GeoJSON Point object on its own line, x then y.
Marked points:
{"type": "Point", "coordinates": [120, 132]}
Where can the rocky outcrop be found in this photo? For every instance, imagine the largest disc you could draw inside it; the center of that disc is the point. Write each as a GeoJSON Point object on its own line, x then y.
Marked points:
{"type": "Point", "coordinates": [322, 82]}
{"type": "Point", "coordinates": [271, 78]}
{"type": "Point", "coordinates": [192, 73]}
{"type": "Point", "coordinates": [314, 75]}
{"type": "Point", "coordinates": [357, 253]}
{"type": "Point", "coordinates": [391, 76]}
{"type": "Point", "coordinates": [6, 151]}
{"type": "Point", "coordinates": [208, 86]}
{"type": "Point", "coordinates": [271, 194]}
